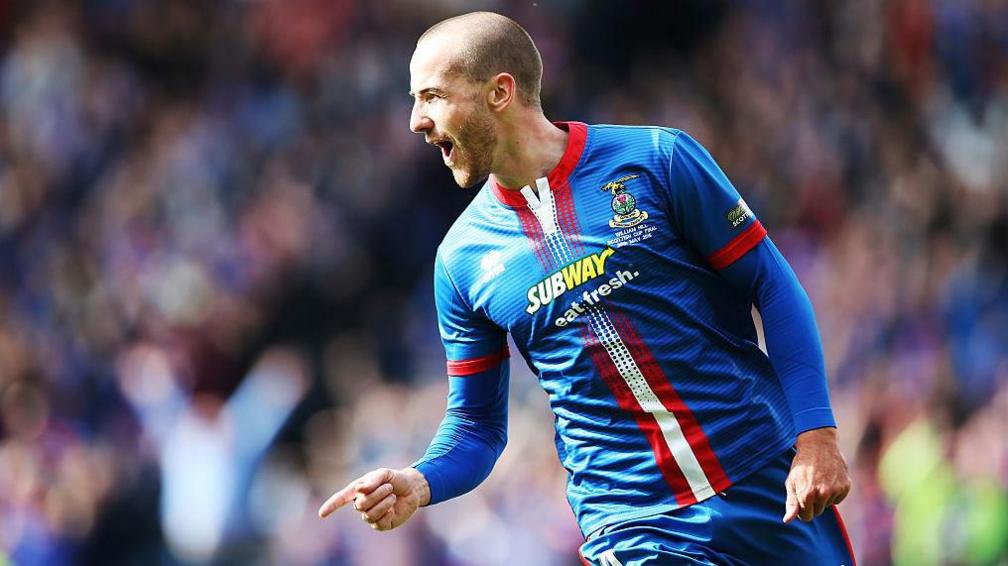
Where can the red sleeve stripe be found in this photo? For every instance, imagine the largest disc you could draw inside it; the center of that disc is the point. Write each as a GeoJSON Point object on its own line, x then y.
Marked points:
{"type": "Point", "coordinates": [475, 365]}
{"type": "Point", "coordinates": [738, 246]}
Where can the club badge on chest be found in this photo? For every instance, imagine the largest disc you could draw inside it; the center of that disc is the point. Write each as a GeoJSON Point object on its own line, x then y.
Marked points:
{"type": "Point", "coordinates": [624, 205]}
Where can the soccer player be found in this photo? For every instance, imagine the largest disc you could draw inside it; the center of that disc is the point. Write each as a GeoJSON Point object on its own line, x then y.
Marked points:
{"type": "Point", "coordinates": [624, 265]}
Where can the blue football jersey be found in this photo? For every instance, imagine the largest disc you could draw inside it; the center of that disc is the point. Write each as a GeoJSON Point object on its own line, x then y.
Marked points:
{"type": "Point", "coordinates": [606, 276]}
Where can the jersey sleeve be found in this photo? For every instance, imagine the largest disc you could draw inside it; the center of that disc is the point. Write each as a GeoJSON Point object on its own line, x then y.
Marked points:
{"type": "Point", "coordinates": [473, 344]}
{"type": "Point", "coordinates": [471, 436]}
{"type": "Point", "coordinates": [792, 336]}
{"type": "Point", "coordinates": [473, 432]}
{"type": "Point", "coordinates": [709, 212]}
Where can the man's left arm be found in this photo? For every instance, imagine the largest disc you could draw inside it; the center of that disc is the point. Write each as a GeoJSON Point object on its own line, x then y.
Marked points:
{"type": "Point", "coordinates": [712, 217]}
{"type": "Point", "coordinates": [819, 476]}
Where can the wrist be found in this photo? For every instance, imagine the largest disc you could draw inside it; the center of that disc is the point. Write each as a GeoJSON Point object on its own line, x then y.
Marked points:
{"type": "Point", "coordinates": [817, 436]}
{"type": "Point", "coordinates": [419, 487]}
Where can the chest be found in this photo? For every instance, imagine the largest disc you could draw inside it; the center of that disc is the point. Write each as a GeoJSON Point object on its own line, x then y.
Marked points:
{"type": "Point", "coordinates": [601, 239]}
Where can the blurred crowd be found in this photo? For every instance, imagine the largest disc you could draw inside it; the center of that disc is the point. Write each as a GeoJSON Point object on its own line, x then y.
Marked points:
{"type": "Point", "coordinates": [217, 232]}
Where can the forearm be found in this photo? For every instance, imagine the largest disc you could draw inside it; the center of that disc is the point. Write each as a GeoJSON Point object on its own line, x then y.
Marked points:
{"type": "Point", "coordinates": [470, 438]}
{"type": "Point", "coordinates": [460, 458]}
{"type": "Point", "coordinates": [792, 338]}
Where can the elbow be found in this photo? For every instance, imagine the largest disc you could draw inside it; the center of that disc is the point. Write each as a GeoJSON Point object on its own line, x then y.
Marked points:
{"type": "Point", "coordinates": [495, 436]}
{"type": "Point", "coordinates": [500, 441]}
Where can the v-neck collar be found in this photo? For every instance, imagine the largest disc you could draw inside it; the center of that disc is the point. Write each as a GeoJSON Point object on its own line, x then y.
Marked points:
{"type": "Point", "coordinates": [578, 134]}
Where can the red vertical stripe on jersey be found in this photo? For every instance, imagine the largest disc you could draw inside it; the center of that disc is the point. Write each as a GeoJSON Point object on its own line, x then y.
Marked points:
{"type": "Point", "coordinates": [846, 537]}
{"type": "Point", "coordinates": [563, 218]}
{"type": "Point", "coordinates": [533, 231]}
{"type": "Point", "coordinates": [563, 199]}
{"type": "Point", "coordinates": [645, 421]}
{"type": "Point", "coordinates": [670, 399]}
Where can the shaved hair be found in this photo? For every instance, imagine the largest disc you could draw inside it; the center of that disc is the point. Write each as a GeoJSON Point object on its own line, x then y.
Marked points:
{"type": "Point", "coordinates": [490, 44]}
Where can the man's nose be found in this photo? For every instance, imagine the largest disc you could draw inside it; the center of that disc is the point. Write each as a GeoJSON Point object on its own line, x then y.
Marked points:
{"type": "Point", "coordinates": [419, 122]}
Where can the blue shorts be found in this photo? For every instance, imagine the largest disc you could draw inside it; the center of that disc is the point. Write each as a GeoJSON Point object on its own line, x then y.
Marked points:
{"type": "Point", "coordinates": [742, 526]}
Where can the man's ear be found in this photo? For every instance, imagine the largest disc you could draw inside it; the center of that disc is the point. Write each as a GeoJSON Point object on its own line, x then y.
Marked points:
{"type": "Point", "coordinates": [503, 91]}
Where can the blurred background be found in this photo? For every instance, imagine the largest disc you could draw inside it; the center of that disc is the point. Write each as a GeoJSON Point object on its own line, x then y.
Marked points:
{"type": "Point", "coordinates": [217, 233]}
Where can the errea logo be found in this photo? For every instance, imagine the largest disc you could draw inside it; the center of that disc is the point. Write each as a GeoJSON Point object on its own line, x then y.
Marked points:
{"type": "Point", "coordinates": [492, 265]}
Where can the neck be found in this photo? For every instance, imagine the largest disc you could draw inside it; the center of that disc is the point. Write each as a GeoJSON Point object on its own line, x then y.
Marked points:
{"type": "Point", "coordinates": [531, 148]}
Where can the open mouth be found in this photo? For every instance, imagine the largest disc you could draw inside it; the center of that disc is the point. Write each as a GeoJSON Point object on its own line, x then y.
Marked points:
{"type": "Point", "coordinates": [446, 148]}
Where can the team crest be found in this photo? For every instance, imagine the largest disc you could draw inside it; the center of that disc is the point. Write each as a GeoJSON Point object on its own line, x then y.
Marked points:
{"type": "Point", "coordinates": [624, 205]}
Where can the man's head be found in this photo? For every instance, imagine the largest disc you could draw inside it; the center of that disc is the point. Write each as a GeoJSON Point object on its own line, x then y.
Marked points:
{"type": "Point", "coordinates": [466, 75]}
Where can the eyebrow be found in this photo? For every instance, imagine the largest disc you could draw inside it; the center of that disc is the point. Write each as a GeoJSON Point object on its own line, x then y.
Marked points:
{"type": "Point", "coordinates": [432, 89]}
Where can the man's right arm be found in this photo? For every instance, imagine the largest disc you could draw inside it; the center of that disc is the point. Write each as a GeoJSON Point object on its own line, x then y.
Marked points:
{"type": "Point", "coordinates": [474, 430]}
{"type": "Point", "coordinates": [472, 434]}
{"type": "Point", "coordinates": [467, 444]}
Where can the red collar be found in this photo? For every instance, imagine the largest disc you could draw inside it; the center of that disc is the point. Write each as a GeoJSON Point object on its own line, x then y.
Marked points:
{"type": "Point", "coordinates": [578, 133]}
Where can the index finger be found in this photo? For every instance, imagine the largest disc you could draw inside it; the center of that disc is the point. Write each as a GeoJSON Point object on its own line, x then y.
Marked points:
{"type": "Point", "coordinates": [339, 499]}
{"type": "Point", "coordinates": [364, 484]}
{"type": "Point", "coordinates": [791, 505]}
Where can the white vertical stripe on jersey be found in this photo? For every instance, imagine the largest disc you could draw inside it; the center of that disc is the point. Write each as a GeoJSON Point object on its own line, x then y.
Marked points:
{"type": "Point", "coordinates": [649, 403]}
{"type": "Point", "coordinates": [545, 211]}
{"type": "Point", "coordinates": [757, 319]}
{"type": "Point", "coordinates": [608, 558]}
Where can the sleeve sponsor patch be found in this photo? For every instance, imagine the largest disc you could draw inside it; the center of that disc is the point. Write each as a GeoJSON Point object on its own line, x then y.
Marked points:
{"type": "Point", "coordinates": [739, 214]}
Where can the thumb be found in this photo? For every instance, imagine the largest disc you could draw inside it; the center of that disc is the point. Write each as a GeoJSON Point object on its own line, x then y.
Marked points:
{"type": "Point", "coordinates": [791, 506]}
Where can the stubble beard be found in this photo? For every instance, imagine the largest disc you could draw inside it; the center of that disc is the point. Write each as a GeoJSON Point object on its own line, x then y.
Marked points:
{"type": "Point", "coordinates": [479, 138]}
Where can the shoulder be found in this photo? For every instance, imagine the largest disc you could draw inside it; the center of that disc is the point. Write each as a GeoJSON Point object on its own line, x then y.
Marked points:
{"type": "Point", "coordinates": [643, 144]}
{"type": "Point", "coordinates": [643, 137]}
{"type": "Point", "coordinates": [460, 243]}
{"type": "Point", "coordinates": [647, 148]}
